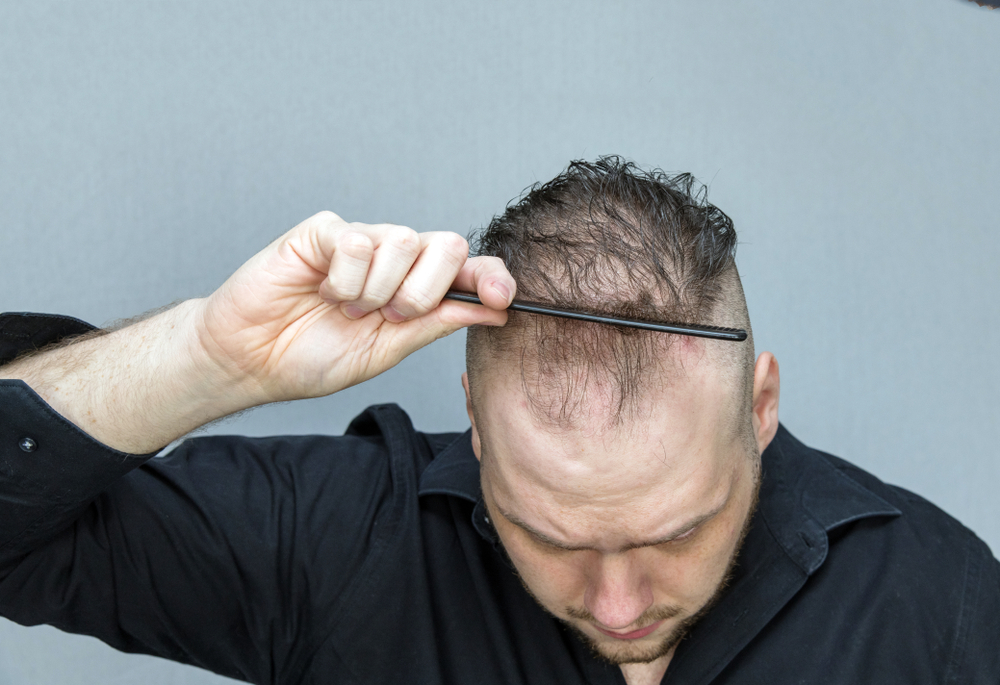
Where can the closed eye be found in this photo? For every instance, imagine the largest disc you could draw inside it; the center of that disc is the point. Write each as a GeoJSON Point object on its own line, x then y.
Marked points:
{"type": "Point", "coordinates": [684, 536]}
{"type": "Point", "coordinates": [542, 540]}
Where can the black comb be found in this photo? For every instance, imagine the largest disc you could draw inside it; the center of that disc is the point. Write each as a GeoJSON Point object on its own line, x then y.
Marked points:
{"type": "Point", "coordinates": [713, 332]}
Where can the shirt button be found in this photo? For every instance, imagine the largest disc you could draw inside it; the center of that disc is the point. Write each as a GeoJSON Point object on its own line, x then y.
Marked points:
{"type": "Point", "coordinates": [27, 445]}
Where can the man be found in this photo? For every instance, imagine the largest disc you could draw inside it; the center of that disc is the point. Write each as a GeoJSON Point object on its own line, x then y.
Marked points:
{"type": "Point", "coordinates": [625, 507]}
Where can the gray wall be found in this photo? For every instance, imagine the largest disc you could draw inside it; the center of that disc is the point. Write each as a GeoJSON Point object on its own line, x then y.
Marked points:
{"type": "Point", "coordinates": [149, 148]}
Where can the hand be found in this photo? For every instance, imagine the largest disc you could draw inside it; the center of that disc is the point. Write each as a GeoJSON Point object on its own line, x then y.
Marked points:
{"type": "Point", "coordinates": [331, 304]}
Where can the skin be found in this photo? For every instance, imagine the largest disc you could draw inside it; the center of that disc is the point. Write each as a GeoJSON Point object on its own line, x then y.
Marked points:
{"type": "Point", "coordinates": [331, 304]}
{"type": "Point", "coordinates": [617, 530]}
{"type": "Point", "coordinates": [326, 306]}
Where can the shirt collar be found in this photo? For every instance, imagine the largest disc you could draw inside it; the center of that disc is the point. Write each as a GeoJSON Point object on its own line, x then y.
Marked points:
{"type": "Point", "coordinates": [804, 497]}
{"type": "Point", "coordinates": [454, 471]}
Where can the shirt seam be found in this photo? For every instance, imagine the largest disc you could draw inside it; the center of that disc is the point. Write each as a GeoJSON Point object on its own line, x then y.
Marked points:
{"type": "Point", "coordinates": [970, 592]}
{"type": "Point", "coordinates": [57, 500]}
{"type": "Point", "coordinates": [379, 547]}
{"type": "Point", "coordinates": [777, 541]}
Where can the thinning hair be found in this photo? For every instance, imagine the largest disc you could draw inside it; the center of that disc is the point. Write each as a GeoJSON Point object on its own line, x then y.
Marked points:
{"type": "Point", "coordinates": [610, 238]}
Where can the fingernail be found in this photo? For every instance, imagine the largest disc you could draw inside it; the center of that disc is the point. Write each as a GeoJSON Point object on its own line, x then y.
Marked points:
{"type": "Point", "coordinates": [392, 315]}
{"type": "Point", "coordinates": [503, 290]}
{"type": "Point", "coordinates": [330, 302]}
{"type": "Point", "coordinates": [353, 312]}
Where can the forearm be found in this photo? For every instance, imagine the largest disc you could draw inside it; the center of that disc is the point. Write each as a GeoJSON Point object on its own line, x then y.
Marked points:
{"type": "Point", "coordinates": [138, 388]}
{"type": "Point", "coordinates": [326, 306]}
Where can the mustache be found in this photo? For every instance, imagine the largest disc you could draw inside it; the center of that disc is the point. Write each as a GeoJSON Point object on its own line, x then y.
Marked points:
{"type": "Point", "coordinates": [649, 616]}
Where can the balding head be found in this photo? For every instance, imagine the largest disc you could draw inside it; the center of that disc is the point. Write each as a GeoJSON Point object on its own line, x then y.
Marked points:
{"type": "Point", "coordinates": [610, 238]}
{"type": "Point", "coordinates": [615, 461]}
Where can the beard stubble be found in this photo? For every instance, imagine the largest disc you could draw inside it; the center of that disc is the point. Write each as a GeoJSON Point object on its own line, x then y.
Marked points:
{"type": "Point", "coordinates": [634, 654]}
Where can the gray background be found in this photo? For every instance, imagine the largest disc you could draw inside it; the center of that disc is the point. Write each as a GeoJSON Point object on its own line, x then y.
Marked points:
{"type": "Point", "coordinates": [149, 148]}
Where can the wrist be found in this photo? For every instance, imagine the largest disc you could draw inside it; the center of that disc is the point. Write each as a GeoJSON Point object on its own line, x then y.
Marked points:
{"type": "Point", "coordinates": [138, 388]}
{"type": "Point", "coordinates": [194, 385]}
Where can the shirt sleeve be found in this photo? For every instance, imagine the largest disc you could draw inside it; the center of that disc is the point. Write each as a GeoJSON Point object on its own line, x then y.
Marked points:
{"type": "Point", "coordinates": [24, 332]}
{"type": "Point", "coordinates": [977, 657]}
{"type": "Point", "coordinates": [229, 553]}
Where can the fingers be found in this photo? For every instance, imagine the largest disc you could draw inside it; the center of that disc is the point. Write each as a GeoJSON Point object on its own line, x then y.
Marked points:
{"type": "Point", "coordinates": [489, 279]}
{"type": "Point", "coordinates": [349, 268]}
{"type": "Point", "coordinates": [441, 258]}
{"type": "Point", "coordinates": [397, 248]}
{"type": "Point", "coordinates": [387, 267]}
{"type": "Point", "coordinates": [366, 263]}
{"type": "Point", "coordinates": [403, 273]}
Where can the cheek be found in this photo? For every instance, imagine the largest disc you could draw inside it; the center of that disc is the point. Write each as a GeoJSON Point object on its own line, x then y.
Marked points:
{"type": "Point", "coordinates": [557, 579]}
{"type": "Point", "coordinates": [692, 574]}
{"type": "Point", "coordinates": [686, 578]}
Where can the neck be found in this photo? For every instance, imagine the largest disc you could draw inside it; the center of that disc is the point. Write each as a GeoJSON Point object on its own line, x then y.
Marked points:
{"type": "Point", "coordinates": [647, 674]}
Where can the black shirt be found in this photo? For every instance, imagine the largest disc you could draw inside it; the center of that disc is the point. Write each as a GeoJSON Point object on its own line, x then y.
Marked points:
{"type": "Point", "coordinates": [367, 558]}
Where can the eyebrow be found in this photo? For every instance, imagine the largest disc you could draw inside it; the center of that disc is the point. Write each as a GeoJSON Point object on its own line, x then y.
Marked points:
{"type": "Point", "coordinates": [548, 540]}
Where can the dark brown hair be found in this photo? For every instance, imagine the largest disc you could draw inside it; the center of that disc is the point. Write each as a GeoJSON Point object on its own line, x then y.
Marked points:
{"type": "Point", "coordinates": [611, 238]}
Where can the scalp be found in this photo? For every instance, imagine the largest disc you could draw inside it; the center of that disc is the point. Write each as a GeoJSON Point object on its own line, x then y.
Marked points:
{"type": "Point", "coordinates": [610, 238]}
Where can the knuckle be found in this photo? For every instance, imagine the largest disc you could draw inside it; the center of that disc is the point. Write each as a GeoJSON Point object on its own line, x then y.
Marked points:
{"type": "Point", "coordinates": [344, 292]}
{"type": "Point", "coordinates": [454, 243]}
{"type": "Point", "coordinates": [491, 266]}
{"type": "Point", "coordinates": [404, 239]}
{"type": "Point", "coordinates": [417, 300]}
{"type": "Point", "coordinates": [356, 244]}
{"type": "Point", "coordinates": [374, 295]}
{"type": "Point", "coordinates": [455, 247]}
{"type": "Point", "coordinates": [326, 217]}
{"type": "Point", "coordinates": [494, 264]}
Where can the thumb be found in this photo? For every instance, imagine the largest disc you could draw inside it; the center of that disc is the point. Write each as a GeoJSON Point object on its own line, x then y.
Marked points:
{"type": "Point", "coordinates": [444, 320]}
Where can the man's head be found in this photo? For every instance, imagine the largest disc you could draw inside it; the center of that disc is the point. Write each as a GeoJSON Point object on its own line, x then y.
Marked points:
{"type": "Point", "coordinates": [619, 467]}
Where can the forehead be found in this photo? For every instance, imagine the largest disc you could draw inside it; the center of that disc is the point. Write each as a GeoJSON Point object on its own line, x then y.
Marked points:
{"type": "Point", "coordinates": [590, 484]}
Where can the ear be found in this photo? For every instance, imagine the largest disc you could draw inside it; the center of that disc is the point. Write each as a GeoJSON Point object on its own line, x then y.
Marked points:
{"type": "Point", "coordinates": [766, 388]}
{"type": "Point", "coordinates": [476, 444]}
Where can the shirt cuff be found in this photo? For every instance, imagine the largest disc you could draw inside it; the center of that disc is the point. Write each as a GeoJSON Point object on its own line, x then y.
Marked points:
{"type": "Point", "coordinates": [49, 468]}
{"type": "Point", "coordinates": [22, 332]}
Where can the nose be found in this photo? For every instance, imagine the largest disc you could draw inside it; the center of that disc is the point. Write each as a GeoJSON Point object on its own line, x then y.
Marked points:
{"type": "Point", "coordinates": [618, 592]}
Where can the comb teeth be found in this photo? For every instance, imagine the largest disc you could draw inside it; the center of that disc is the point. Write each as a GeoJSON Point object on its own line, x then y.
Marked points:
{"type": "Point", "coordinates": [696, 330]}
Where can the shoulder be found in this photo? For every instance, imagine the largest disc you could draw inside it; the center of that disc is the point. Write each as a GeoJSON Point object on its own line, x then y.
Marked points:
{"type": "Point", "coordinates": [380, 450]}
{"type": "Point", "coordinates": [924, 525]}
{"type": "Point", "coordinates": [838, 493]}
{"type": "Point", "coordinates": [904, 568]}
